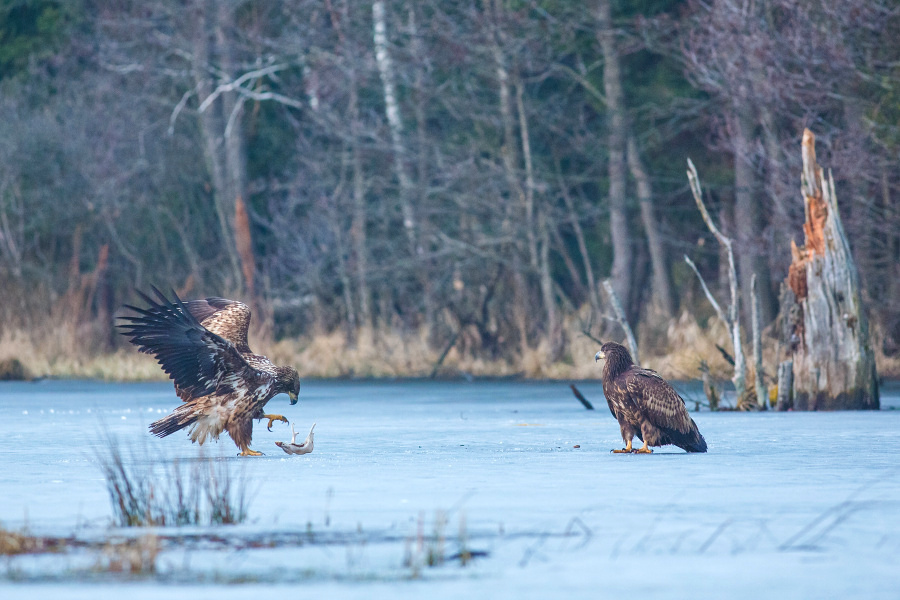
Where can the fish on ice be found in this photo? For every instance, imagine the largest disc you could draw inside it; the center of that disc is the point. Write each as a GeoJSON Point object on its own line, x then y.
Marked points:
{"type": "Point", "coordinates": [293, 447]}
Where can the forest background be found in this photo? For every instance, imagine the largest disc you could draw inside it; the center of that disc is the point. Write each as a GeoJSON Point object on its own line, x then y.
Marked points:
{"type": "Point", "coordinates": [406, 188]}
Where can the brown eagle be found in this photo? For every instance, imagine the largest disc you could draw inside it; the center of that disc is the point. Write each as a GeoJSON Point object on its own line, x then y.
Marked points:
{"type": "Point", "coordinates": [645, 405]}
{"type": "Point", "coordinates": [202, 345]}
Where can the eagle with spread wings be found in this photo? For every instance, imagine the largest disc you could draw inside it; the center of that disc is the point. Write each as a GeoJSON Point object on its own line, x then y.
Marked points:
{"type": "Point", "coordinates": [202, 345]}
{"type": "Point", "coordinates": [645, 405]}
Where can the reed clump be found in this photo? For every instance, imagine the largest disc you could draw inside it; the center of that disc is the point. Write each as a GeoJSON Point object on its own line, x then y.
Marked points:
{"type": "Point", "coordinates": [159, 492]}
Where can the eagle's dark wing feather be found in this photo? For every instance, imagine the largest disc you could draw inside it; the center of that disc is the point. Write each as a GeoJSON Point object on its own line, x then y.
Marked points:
{"type": "Point", "coordinates": [657, 400]}
{"type": "Point", "coordinates": [609, 403]}
{"type": "Point", "coordinates": [199, 361]}
{"type": "Point", "coordinates": [663, 407]}
{"type": "Point", "coordinates": [229, 319]}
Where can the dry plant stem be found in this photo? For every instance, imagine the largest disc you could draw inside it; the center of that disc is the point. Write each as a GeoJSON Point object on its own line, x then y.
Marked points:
{"type": "Point", "coordinates": [622, 319]}
{"type": "Point", "coordinates": [732, 321]}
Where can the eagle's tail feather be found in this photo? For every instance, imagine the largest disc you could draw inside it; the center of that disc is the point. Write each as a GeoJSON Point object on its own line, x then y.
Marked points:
{"type": "Point", "coordinates": [692, 441]}
{"type": "Point", "coordinates": [176, 421]}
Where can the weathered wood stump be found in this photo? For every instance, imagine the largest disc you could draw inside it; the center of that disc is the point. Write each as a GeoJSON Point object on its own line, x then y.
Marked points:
{"type": "Point", "coordinates": [833, 363]}
{"type": "Point", "coordinates": [785, 385]}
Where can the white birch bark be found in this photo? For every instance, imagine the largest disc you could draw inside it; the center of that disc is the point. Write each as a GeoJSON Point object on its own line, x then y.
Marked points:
{"type": "Point", "coordinates": [395, 123]}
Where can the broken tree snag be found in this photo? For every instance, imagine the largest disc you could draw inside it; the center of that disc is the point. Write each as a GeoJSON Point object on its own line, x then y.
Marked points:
{"type": "Point", "coordinates": [759, 376]}
{"type": "Point", "coordinates": [833, 363]}
{"type": "Point", "coordinates": [785, 385]}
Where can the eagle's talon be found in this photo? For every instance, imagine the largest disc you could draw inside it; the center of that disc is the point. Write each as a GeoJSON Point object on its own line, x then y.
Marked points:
{"type": "Point", "coordinates": [272, 419]}
{"type": "Point", "coordinates": [626, 450]}
{"type": "Point", "coordinates": [249, 452]}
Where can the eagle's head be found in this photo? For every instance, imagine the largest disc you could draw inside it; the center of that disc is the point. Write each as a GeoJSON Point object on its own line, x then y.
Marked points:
{"type": "Point", "coordinates": [616, 356]}
{"type": "Point", "coordinates": [289, 382]}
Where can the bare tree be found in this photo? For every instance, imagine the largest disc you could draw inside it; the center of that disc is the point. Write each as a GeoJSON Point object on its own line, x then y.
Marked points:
{"type": "Point", "coordinates": [662, 289]}
{"type": "Point", "coordinates": [616, 123]}
{"type": "Point", "coordinates": [223, 142]}
{"type": "Point", "coordinates": [731, 318]}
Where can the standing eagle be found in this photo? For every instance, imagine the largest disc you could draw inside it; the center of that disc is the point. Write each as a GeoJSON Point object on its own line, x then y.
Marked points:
{"type": "Point", "coordinates": [645, 405]}
{"type": "Point", "coordinates": [202, 345]}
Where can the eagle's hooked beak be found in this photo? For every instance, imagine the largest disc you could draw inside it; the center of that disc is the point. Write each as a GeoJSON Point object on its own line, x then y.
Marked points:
{"type": "Point", "coordinates": [293, 398]}
{"type": "Point", "coordinates": [599, 355]}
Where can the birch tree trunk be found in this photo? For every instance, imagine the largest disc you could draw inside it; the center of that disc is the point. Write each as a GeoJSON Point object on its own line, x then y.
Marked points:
{"type": "Point", "coordinates": [223, 153]}
{"type": "Point", "coordinates": [747, 221]}
{"type": "Point", "coordinates": [593, 292]}
{"type": "Point", "coordinates": [395, 123]}
{"type": "Point", "coordinates": [662, 290]}
{"type": "Point", "coordinates": [554, 330]}
{"type": "Point", "coordinates": [359, 257]}
{"type": "Point", "coordinates": [510, 156]}
{"type": "Point", "coordinates": [833, 362]}
{"type": "Point", "coordinates": [618, 218]}
{"type": "Point", "coordinates": [358, 224]}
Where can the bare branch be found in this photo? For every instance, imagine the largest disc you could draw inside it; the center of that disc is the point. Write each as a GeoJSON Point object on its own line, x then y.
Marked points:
{"type": "Point", "coordinates": [706, 291]}
{"type": "Point", "coordinates": [694, 179]}
{"type": "Point", "coordinates": [180, 106]}
{"type": "Point", "coordinates": [622, 319]}
{"type": "Point", "coordinates": [237, 86]}
{"type": "Point", "coordinates": [732, 321]}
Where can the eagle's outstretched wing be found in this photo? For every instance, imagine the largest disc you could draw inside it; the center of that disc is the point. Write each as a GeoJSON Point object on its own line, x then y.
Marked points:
{"type": "Point", "coordinates": [229, 319]}
{"type": "Point", "coordinates": [664, 407]}
{"type": "Point", "coordinates": [199, 361]}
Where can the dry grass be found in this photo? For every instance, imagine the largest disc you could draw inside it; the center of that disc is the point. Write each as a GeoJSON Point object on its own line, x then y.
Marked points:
{"type": "Point", "coordinates": [675, 349]}
{"type": "Point", "coordinates": [60, 356]}
{"type": "Point", "coordinates": [131, 556]}
{"type": "Point", "coordinates": [888, 366]}
{"type": "Point", "coordinates": [22, 542]}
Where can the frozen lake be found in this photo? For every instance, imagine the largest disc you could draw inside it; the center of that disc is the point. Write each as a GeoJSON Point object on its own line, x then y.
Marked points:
{"type": "Point", "coordinates": [805, 505]}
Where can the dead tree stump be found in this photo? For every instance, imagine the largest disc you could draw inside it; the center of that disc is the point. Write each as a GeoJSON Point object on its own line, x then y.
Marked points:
{"type": "Point", "coordinates": [785, 385]}
{"type": "Point", "coordinates": [833, 363]}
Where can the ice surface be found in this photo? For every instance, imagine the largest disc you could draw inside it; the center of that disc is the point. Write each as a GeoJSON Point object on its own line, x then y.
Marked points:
{"type": "Point", "coordinates": [805, 505]}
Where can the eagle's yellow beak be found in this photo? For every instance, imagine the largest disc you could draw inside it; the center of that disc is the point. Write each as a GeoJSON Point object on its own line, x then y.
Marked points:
{"type": "Point", "coordinates": [599, 355]}
{"type": "Point", "coordinates": [293, 398]}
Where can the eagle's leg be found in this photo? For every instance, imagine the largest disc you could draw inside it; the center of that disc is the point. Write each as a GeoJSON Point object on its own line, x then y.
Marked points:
{"type": "Point", "coordinates": [645, 449]}
{"type": "Point", "coordinates": [272, 419]}
{"type": "Point", "coordinates": [626, 450]}
{"type": "Point", "coordinates": [246, 451]}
